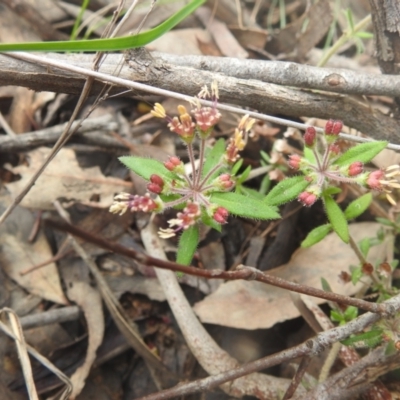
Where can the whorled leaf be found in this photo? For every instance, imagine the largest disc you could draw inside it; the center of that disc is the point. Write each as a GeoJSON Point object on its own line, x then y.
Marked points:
{"type": "Point", "coordinates": [244, 206]}
{"type": "Point", "coordinates": [145, 167]}
{"type": "Point", "coordinates": [336, 218]}
{"type": "Point", "coordinates": [364, 152]}
{"type": "Point", "coordinates": [187, 245]}
{"type": "Point", "coordinates": [358, 206]}
{"type": "Point", "coordinates": [286, 190]}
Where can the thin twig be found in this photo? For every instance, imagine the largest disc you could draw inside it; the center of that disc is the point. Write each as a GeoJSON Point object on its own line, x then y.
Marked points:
{"type": "Point", "coordinates": [309, 348]}
{"type": "Point", "coordinates": [243, 272]}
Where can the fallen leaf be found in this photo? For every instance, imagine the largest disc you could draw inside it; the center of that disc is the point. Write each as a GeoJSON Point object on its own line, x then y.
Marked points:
{"type": "Point", "coordinates": [255, 305]}
{"type": "Point", "coordinates": [17, 254]}
{"type": "Point", "coordinates": [89, 300]}
{"type": "Point", "coordinates": [64, 179]}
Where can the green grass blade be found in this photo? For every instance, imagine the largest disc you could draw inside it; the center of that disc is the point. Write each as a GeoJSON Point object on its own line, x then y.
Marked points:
{"type": "Point", "coordinates": [113, 44]}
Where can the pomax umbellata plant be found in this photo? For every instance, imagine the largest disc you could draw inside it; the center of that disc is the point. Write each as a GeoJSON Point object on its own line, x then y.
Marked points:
{"type": "Point", "coordinates": [324, 166]}
{"type": "Point", "coordinates": [205, 194]}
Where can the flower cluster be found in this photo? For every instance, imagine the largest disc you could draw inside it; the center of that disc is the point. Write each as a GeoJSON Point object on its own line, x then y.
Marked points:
{"type": "Point", "coordinates": [173, 186]}
{"type": "Point", "coordinates": [328, 165]}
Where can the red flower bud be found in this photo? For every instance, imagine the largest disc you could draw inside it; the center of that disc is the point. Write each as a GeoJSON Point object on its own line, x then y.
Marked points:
{"type": "Point", "coordinates": [307, 198]}
{"type": "Point", "coordinates": [172, 163]}
{"type": "Point", "coordinates": [221, 215]}
{"type": "Point", "coordinates": [169, 165]}
{"type": "Point", "coordinates": [333, 127]}
{"type": "Point", "coordinates": [309, 136]}
{"type": "Point", "coordinates": [157, 180]}
{"type": "Point", "coordinates": [334, 149]}
{"type": "Point", "coordinates": [355, 168]}
{"type": "Point", "coordinates": [294, 161]}
{"type": "Point", "coordinates": [154, 188]}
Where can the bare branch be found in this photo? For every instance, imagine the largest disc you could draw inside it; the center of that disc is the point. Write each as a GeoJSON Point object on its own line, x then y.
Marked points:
{"type": "Point", "coordinates": [248, 273]}
{"type": "Point", "coordinates": [264, 97]}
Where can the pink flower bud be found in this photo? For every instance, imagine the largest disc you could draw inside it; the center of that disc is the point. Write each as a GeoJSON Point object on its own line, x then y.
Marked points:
{"type": "Point", "coordinates": [221, 215]}
{"type": "Point", "coordinates": [309, 136]}
{"type": "Point", "coordinates": [294, 161]}
{"type": "Point", "coordinates": [169, 165]}
{"type": "Point", "coordinates": [355, 168]}
{"type": "Point", "coordinates": [157, 180]}
{"type": "Point", "coordinates": [334, 149]}
{"type": "Point", "coordinates": [172, 163]}
{"type": "Point", "coordinates": [333, 127]}
{"type": "Point", "coordinates": [307, 198]}
{"type": "Point", "coordinates": [175, 160]}
{"type": "Point", "coordinates": [154, 188]}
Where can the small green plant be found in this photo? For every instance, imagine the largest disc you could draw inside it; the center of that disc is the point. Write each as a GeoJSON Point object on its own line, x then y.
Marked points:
{"type": "Point", "coordinates": [203, 195]}
{"type": "Point", "coordinates": [323, 167]}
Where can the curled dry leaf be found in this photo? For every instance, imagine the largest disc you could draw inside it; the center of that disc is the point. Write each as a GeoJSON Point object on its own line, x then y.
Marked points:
{"type": "Point", "coordinates": [64, 179]}
{"type": "Point", "coordinates": [254, 305]}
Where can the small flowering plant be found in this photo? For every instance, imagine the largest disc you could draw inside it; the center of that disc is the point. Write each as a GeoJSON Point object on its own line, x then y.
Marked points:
{"type": "Point", "coordinates": [323, 167]}
{"type": "Point", "coordinates": [203, 193]}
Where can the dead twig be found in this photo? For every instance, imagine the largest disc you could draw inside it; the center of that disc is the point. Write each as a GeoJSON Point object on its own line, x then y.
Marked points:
{"type": "Point", "coordinates": [169, 80]}
{"type": "Point", "coordinates": [243, 272]}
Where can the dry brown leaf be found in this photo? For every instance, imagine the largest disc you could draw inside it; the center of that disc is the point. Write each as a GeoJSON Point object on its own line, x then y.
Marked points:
{"type": "Point", "coordinates": [17, 254]}
{"type": "Point", "coordinates": [255, 305]}
{"type": "Point", "coordinates": [181, 41]}
{"type": "Point", "coordinates": [64, 179]}
{"type": "Point", "coordinates": [89, 300]}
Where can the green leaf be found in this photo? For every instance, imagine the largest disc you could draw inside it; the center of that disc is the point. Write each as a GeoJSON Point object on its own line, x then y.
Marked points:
{"type": "Point", "coordinates": [364, 35]}
{"type": "Point", "coordinates": [121, 43]}
{"type": "Point", "coordinates": [265, 156]}
{"type": "Point", "coordinates": [213, 157]}
{"type": "Point", "coordinates": [371, 338]}
{"type": "Point", "coordinates": [243, 176]}
{"type": "Point", "coordinates": [316, 235]}
{"type": "Point", "coordinates": [187, 245]}
{"type": "Point", "coordinates": [386, 222]}
{"type": "Point", "coordinates": [336, 316]}
{"type": "Point", "coordinates": [309, 155]}
{"type": "Point", "coordinates": [265, 185]}
{"type": "Point", "coordinates": [363, 152]}
{"type": "Point", "coordinates": [349, 17]}
{"type": "Point", "coordinates": [145, 167]}
{"type": "Point", "coordinates": [236, 167]}
{"type": "Point", "coordinates": [286, 190]}
{"type": "Point", "coordinates": [244, 206]}
{"type": "Point", "coordinates": [331, 190]}
{"type": "Point", "coordinates": [358, 206]}
{"type": "Point", "coordinates": [350, 313]}
{"type": "Point", "coordinates": [336, 218]}
{"type": "Point", "coordinates": [365, 245]}
{"type": "Point", "coordinates": [325, 285]}
{"type": "Point", "coordinates": [356, 275]}
{"type": "Point", "coordinates": [250, 192]}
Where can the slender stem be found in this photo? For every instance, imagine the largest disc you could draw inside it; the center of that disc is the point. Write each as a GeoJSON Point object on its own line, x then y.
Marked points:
{"type": "Point", "coordinates": [363, 260]}
{"type": "Point", "coordinates": [347, 35]}
{"type": "Point", "coordinates": [176, 202]}
{"type": "Point", "coordinates": [205, 179]}
{"type": "Point", "coordinates": [201, 162]}
{"type": "Point", "coordinates": [325, 157]}
{"type": "Point", "coordinates": [192, 162]}
{"type": "Point", "coordinates": [317, 159]}
{"type": "Point", "coordinates": [356, 250]}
